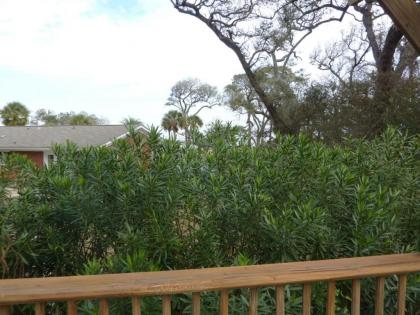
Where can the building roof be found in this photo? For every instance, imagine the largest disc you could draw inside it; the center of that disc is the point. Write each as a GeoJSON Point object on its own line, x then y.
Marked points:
{"type": "Point", "coordinates": [41, 137]}
{"type": "Point", "coordinates": [406, 14]}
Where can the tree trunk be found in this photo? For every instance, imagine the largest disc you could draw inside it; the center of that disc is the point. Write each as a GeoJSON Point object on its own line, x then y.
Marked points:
{"type": "Point", "coordinates": [384, 81]}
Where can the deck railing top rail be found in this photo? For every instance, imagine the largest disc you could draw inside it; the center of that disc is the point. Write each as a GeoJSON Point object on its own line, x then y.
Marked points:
{"type": "Point", "coordinates": [16, 291]}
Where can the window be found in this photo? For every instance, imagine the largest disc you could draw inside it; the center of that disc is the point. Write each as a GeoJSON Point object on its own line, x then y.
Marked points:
{"type": "Point", "coordinates": [51, 159]}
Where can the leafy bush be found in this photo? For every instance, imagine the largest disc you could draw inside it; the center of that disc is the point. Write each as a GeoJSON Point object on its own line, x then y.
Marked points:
{"type": "Point", "coordinates": [155, 204]}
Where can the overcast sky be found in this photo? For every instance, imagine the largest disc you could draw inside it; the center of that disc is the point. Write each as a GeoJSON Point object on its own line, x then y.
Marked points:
{"type": "Point", "coordinates": [112, 58]}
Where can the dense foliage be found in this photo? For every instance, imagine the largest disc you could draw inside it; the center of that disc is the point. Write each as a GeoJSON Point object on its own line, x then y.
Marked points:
{"type": "Point", "coordinates": [155, 204]}
{"type": "Point", "coordinates": [49, 118]}
{"type": "Point", "coordinates": [14, 114]}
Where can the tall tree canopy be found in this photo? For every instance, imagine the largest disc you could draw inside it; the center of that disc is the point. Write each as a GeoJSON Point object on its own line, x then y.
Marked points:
{"type": "Point", "coordinates": [266, 33]}
{"type": "Point", "coordinates": [190, 97]}
{"type": "Point", "coordinates": [252, 29]}
{"type": "Point", "coordinates": [242, 98]}
{"type": "Point", "coordinates": [15, 114]}
{"type": "Point", "coordinates": [49, 118]}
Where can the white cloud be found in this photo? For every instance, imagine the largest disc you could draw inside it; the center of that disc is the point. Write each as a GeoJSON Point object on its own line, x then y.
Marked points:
{"type": "Point", "coordinates": [82, 55]}
{"type": "Point", "coordinates": [129, 64]}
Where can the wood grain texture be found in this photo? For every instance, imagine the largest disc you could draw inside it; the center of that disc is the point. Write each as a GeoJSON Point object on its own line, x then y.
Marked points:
{"type": "Point", "coordinates": [380, 294]}
{"type": "Point", "coordinates": [71, 308]}
{"type": "Point", "coordinates": [331, 298]}
{"type": "Point", "coordinates": [166, 304]}
{"type": "Point", "coordinates": [103, 307]}
{"type": "Point", "coordinates": [15, 291]}
{"type": "Point", "coordinates": [253, 301]}
{"type": "Point", "coordinates": [135, 305]}
{"type": "Point", "coordinates": [224, 302]}
{"type": "Point", "coordinates": [196, 303]}
{"type": "Point", "coordinates": [307, 290]}
{"type": "Point", "coordinates": [402, 288]}
{"type": "Point", "coordinates": [40, 309]}
{"type": "Point", "coordinates": [5, 310]}
{"type": "Point", "coordinates": [406, 15]}
{"type": "Point", "coordinates": [280, 302]}
{"type": "Point", "coordinates": [355, 303]}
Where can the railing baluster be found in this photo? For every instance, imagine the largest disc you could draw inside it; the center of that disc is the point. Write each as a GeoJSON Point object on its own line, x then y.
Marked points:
{"type": "Point", "coordinates": [5, 310]}
{"type": "Point", "coordinates": [253, 301]}
{"type": "Point", "coordinates": [71, 308]}
{"type": "Point", "coordinates": [379, 302]}
{"type": "Point", "coordinates": [402, 287]}
{"type": "Point", "coordinates": [166, 305]}
{"type": "Point", "coordinates": [355, 302]}
{"type": "Point", "coordinates": [331, 298]}
{"type": "Point", "coordinates": [224, 302]}
{"type": "Point", "coordinates": [40, 309]}
{"type": "Point", "coordinates": [280, 305]}
{"type": "Point", "coordinates": [196, 303]}
{"type": "Point", "coordinates": [135, 305]}
{"type": "Point", "coordinates": [103, 307]}
{"type": "Point", "coordinates": [306, 299]}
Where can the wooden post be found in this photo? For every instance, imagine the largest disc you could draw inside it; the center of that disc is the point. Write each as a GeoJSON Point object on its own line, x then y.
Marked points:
{"type": "Point", "coordinates": [253, 302]}
{"type": "Point", "coordinates": [103, 307]}
{"type": "Point", "coordinates": [5, 310]}
{"type": "Point", "coordinates": [166, 305]}
{"type": "Point", "coordinates": [280, 305]}
{"type": "Point", "coordinates": [355, 302]}
{"type": "Point", "coordinates": [196, 303]}
{"type": "Point", "coordinates": [379, 302]}
{"type": "Point", "coordinates": [224, 302]}
{"type": "Point", "coordinates": [307, 299]}
{"type": "Point", "coordinates": [331, 298]}
{"type": "Point", "coordinates": [402, 287]}
{"type": "Point", "coordinates": [135, 305]}
{"type": "Point", "coordinates": [71, 308]}
{"type": "Point", "coordinates": [40, 309]}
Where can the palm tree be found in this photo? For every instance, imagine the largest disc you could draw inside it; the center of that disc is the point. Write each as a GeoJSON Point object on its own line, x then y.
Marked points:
{"type": "Point", "coordinates": [134, 136]}
{"type": "Point", "coordinates": [131, 122]}
{"type": "Point", "coordinates": [195, 122]}
{"type": "Point", "coordinates": [172, 122]}
{"type": "Point", "coordinates": [15, 114]}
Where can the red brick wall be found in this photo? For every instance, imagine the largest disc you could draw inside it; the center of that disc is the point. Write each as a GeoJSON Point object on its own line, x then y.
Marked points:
{"type": "Point", "coordinates": [35, 156]}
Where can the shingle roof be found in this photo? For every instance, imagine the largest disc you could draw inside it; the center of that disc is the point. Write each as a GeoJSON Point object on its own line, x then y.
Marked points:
{"type": "Point", "coordinates": [28, 137]}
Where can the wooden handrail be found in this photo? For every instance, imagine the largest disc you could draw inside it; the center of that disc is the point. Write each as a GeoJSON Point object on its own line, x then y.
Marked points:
{"type": "Point", "coordinates": [167, 283]}
{"type": "Point", "coordinates": [15, 291]}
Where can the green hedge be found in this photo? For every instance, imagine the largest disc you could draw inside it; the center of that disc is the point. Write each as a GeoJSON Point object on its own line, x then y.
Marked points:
{"type": "Point", "coordinates": [155, 204]}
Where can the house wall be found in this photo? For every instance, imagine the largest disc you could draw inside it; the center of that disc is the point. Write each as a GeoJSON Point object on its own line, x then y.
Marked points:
{"type": "Point", "coordinates": [40, 158]}
{"type": "Point", "coordinates": [36, 156]}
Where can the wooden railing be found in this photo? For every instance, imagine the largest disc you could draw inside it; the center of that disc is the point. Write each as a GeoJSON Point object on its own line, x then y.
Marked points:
{"type": "Point", "coordinates": [166, 283]}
